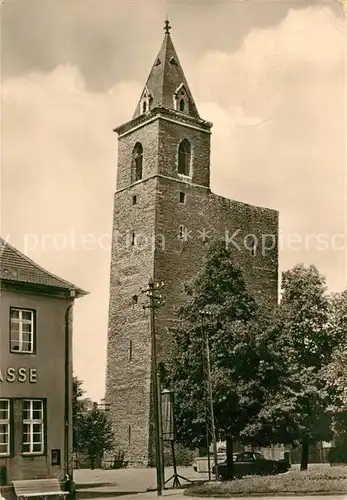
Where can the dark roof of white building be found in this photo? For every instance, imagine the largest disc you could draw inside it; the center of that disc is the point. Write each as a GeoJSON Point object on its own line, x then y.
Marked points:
{"type": "Point", "coordinates": [18, 268]}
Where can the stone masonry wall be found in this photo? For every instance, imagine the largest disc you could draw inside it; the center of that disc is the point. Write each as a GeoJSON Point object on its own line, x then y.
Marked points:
{"type": "Point", "coordinates": [175, 262]}
{"type": "Point", "coordinates": [128, 366]}
{"type": "Point", "coordinates": [209, 215]}
{"type": "Point", "coordinates": [170, 137]}
{"type": "Point", "coordinates": [158, 253]}
{"type": "Point", "coordinates": [148, 136]}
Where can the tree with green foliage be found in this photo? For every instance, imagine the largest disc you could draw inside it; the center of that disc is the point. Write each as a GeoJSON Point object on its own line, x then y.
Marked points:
{"type": "Point", "coordinates": [336, 378]}
{"type": "Point", "coordinates": [338, 316]}
{"type": "Point", "coordinates": [337, 369]}
{"type": "Point", "coordinates": [92, 431]}
{"type": "Point", "coordinates": [297, 414]}
{"type": "Point", "coordinates": [78, 409]}
{"type": "Point", "coordinates": [95, 435]}
{"type": "Point", "coordinates": [336, 374]}
{"type": "Point", "coordinates": [244, 366]}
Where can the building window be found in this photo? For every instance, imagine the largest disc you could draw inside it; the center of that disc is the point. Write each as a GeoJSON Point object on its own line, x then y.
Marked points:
{"type": "Point", "coordinates": [134, 200]}
{"type": "Point", "coordinates": [5, 429]}
{"type": "Point", "coordinates": [184, 156]}
{"type": "Point", "coordinates": [129, 435]}
{"type": "Point", "coordinates": [254, 248]}
{"type": "Point", "coordinates": [146, 100]}
{"type": "Point", "coordinates": [33, 426]}
{"type": "Point", "coordinates": [181, 101]}
{"type": "Point", "coordinates": [137, 160]}
{"type": "Point", "coordinates": [134, 299]}
{"type": "Point", "coordinates": [130, 350]}
{"type": "Point", "coordinates": [22, 330]}
{"type": "Point", "coordinates": [133, 239]}
{"type": "Point", "coordinates": [182, 197]}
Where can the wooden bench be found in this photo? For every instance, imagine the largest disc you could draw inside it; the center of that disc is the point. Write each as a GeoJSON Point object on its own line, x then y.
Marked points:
{"type": "Point", "coordinates": [38, 488]}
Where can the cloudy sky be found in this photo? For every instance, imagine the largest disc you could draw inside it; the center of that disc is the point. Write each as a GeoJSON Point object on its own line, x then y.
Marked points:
{"type": "Point", "coordinates": [269, 75]}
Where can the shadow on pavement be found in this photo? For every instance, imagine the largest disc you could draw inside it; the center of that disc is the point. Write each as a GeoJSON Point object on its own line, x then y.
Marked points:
{"type": "Point", "coordinates": [100, 484]}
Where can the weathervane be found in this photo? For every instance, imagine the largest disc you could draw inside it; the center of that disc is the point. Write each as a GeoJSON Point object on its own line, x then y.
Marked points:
{"type": "Point", "coordinates": [167, 27]}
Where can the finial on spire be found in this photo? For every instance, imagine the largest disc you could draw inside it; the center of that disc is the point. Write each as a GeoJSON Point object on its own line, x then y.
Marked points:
{"type": "Point", "coordinates": [167, 27]}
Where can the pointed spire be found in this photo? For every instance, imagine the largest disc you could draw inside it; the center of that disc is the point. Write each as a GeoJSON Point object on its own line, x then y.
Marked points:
{"type": "Point", "coordinates": [166, 85]}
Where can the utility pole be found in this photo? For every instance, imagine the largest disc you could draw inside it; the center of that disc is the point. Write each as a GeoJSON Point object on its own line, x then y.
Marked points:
{"type": "Point", "coordinates": [209, 406]}
{"type": "Point", "coordinates": [156, 301]}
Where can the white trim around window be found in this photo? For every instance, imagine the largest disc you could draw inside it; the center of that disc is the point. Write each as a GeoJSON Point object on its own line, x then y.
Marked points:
{"type": "Point", "coordinates": [22, 330]}
{"type": "Point", "coordinates": [33, 439]}
{"type": "Point", "coordinates": [5, 427]}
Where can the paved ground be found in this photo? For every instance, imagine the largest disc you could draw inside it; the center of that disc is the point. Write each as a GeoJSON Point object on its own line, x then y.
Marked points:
{"type": "Point", "coordinates": [178, 495]}
{"type": "Point", "coordinates": [133, 484]}
{"type": "Point", "coordinates": [105, 482]}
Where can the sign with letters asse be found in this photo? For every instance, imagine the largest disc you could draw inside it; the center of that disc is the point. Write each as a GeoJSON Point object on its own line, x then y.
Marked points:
{"type": "Point", "coordinates": [18, 375]}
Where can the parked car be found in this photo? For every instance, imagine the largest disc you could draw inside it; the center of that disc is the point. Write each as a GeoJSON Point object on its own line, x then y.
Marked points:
{"type": "Point", "coordinates": [248, 463]}
{"type": "Point", "coordinates": [200, 464]}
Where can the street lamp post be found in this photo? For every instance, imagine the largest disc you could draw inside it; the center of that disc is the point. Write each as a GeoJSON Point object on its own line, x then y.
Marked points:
{"type": "Point", "coordinates": [209, 392]}
{"type": "Point", "coordinates": [168, 426]}
{"type": "Point", "coordinates": [155, 301]}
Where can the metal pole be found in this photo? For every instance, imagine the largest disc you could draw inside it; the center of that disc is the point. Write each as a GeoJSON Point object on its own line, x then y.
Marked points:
{"type": "Point", "coordinates": [206, 400]}
{"type": "Point", "coordinates": [208, 455]}
{"type": "Point", "coordinates": [174, 461]}
{"type": "Point", "coordinates": [213, 428]}
{"type": "Point", "coordinates": [207, 370]}
{"type": "Point", "coordinates": [155, 389]}
{"type": "Point", "coordinates": [161, 442]}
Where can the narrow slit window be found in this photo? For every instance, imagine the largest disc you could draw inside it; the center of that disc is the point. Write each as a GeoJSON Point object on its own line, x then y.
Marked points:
{"type": "Point", "coordinates": [130, 350]}
{"type": "Point", "coordinates": [182, 197]}
{"type": "Point", "coordinates": [134, 199]}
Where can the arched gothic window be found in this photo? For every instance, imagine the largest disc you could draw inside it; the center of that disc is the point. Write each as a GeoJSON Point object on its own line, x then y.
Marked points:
{"type": "Point", "coordinates": [181, 100]}
{"type": "Point", "coordinates": [146, 100]}
{"type": "Point", "coordinates": [137, 159]}
{"type": "Point", "coordinates": [184, 156]}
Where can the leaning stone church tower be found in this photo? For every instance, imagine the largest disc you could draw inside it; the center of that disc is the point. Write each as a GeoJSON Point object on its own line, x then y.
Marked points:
{"type": "Point", "coordinates": [164, 214]}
